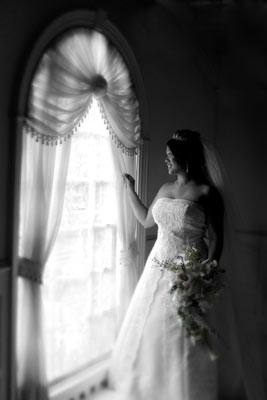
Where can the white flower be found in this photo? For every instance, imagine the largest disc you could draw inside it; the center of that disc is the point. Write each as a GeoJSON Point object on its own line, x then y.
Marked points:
{"type": "Point", "coordinates": [178, 260]}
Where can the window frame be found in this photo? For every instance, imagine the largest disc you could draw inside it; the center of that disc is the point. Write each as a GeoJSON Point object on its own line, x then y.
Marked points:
{"type": "Point", "coordinates": [94, 20]}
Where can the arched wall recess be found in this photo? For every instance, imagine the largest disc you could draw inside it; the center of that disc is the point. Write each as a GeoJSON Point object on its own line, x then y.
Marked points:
{"type": "Point", "coordinates": [75, 19]}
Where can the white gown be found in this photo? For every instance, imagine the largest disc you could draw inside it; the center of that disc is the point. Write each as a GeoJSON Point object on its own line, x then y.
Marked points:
{"type": "Point", "coordinates": [153, 359]}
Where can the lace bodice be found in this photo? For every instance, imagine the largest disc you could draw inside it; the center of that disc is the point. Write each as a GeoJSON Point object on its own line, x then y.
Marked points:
{"type": "Point", "coordinates": [180, 222]}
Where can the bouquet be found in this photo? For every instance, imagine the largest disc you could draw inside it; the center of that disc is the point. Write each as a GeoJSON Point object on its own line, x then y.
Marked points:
{"type": "Point", "coordinates": [194, 284]}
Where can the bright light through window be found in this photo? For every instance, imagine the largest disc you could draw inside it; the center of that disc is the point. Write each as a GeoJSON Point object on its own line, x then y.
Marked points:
{"type": "Point", "coordinates": [80, 276]}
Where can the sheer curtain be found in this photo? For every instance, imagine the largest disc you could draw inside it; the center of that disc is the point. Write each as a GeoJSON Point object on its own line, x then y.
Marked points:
{"type": "Point", "coordinates": [81, 273]}
{"type": "Point", "coordinates": [78, 66]}
{"type": "Point", "coordinates": [43, 172]}
{"type": "Point", "coordinates": [127, 232]}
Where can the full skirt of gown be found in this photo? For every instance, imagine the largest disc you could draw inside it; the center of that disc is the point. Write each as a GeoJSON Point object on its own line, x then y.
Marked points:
{"type": "Point", "coordinates": [153, 358]}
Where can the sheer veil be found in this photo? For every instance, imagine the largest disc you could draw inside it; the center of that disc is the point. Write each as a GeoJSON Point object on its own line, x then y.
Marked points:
{"type": "Point", "coordinates": [238, 310]}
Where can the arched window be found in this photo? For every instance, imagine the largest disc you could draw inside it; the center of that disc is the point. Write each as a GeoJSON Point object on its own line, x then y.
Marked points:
{"type": "Point", "coordinates": [81, 130]}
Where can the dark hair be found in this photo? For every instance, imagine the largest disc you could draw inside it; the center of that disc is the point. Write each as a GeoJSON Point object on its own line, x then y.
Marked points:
{"type": "Point", "coordinates": [187, 147]}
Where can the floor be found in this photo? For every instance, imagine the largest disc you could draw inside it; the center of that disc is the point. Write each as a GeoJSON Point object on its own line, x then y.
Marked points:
{"type": "Point", "coordinates": [106, 395]}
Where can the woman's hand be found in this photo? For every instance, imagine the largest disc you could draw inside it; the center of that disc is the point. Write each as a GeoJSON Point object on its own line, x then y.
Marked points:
{"type": "Point", "coordinates": [210, 261]}
{"type": "Point", "coordinates": [129, 181]}
{"type": "Point", "coordinates": [204, 262]}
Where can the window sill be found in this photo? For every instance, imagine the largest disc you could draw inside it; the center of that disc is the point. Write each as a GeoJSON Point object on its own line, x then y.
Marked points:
{"type": "Point", "coordinates": [86, 384]}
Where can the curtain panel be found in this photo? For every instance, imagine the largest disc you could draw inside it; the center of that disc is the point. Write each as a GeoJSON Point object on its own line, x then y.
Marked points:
{"type": "Point", "coordinates": [80, 65]}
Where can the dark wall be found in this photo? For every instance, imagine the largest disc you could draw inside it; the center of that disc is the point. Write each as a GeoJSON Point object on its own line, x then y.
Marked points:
{"type": "Point", "coordinates": [203, 68]}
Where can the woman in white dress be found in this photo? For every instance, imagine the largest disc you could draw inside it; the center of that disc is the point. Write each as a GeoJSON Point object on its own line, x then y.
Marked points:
{"type": "Point", "coordinates": [154, 359]}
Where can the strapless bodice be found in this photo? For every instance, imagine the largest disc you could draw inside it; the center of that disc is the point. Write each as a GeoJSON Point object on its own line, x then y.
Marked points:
{"type": "Point", "coordinates": [180, 222]}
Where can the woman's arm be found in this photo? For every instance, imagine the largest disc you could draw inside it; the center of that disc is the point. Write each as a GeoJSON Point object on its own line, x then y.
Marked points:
{"type": "Point", "coordinates": [142, 213]}
{"type": "Point", "coordinates": [215, 213]}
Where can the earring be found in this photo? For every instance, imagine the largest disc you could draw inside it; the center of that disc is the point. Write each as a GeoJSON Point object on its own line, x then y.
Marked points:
{"type": "Point", "coordinates": [187, 169]}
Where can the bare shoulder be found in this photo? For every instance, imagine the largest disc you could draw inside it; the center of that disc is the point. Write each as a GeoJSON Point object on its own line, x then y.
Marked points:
{"type": "Point", "coordinates": [164, 190]}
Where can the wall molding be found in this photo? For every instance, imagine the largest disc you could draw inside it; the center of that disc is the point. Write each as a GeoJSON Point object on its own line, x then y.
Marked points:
{"type": "Point", "coordinates": [251, 232]}
{"type": "Point", "coordinates": [142, 178]}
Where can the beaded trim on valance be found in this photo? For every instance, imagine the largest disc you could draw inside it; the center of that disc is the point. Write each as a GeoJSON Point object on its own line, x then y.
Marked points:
{"type": "Point", "coordinates": [59, 139]}
{"type": "Point", "coordinates": [81, 65]}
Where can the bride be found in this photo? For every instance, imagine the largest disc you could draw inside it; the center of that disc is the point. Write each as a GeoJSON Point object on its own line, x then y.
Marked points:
{"type": "Point", "coordinates": [153, 358]}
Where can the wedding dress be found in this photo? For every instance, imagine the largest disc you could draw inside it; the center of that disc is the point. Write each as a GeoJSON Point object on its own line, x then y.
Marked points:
{"type": "Point", "coordinates": [153, 358]}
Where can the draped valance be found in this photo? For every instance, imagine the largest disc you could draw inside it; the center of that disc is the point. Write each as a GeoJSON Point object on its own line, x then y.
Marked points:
{"type": "Point", "coordinates": [79, 65]}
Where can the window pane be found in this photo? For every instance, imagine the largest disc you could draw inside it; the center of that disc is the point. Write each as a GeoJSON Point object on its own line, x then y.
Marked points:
{"type": "Point", "coordinates": [80, 276]}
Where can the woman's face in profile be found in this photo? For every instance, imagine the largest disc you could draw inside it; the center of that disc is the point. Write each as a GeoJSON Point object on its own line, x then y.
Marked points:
{"type": "Point", "coordinates": [173, 166]}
